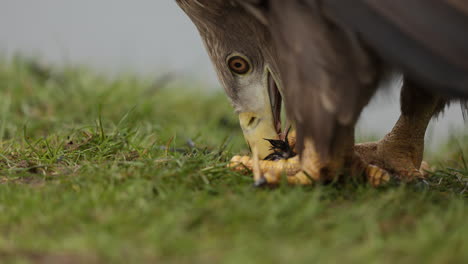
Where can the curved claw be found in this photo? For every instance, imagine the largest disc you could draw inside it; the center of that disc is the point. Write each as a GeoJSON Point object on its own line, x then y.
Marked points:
{"type": "Point", "coordinates": [270, 172]}
{"type": "Point", "coordinates": [261, 182]}
{"type": "Point", "coordinates": [423, 185]}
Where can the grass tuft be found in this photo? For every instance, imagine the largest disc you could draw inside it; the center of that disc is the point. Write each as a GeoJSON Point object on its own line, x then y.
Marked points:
{"type": "Point", "coordinates": [102, 170]}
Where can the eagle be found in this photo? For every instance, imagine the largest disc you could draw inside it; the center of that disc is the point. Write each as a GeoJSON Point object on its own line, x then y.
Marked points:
{"type": "Point", "coordinates": [325, 60]}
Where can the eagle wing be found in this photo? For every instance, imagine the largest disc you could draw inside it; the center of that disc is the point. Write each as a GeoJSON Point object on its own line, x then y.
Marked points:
{"type": "Point", "coordinates": [328, 78]}
{"type": "Point", "coordinates": [426, 39]}
{"type": "Point", "coordinates": [324, 93]}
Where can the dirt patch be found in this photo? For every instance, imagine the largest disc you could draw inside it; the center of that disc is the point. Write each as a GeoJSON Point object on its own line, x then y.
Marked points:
{"type": "Point", "coordinates": [47, 258]}
{"type": "Point", "coordinates": [32, 181]}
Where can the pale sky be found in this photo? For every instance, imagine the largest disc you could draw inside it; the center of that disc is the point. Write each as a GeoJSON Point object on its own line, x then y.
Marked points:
{"type": "Point", "coordinates": [143, 36]}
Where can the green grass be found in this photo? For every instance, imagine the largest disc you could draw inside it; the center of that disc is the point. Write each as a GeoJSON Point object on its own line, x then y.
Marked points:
{"type": "Point", "coordinates": [98, 170]}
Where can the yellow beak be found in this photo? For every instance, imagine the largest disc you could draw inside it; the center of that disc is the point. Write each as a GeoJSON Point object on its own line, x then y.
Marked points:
{"type": "Point", "coordinates": [256, 128]}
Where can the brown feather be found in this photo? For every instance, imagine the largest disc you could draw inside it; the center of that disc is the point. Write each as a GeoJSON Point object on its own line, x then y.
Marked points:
{"type": "Point", "coordinates": [225, 28]}
{"type": "Point", "coordinates": [328, 76]}
{"type": "Point", "coordinates": [426, 39]}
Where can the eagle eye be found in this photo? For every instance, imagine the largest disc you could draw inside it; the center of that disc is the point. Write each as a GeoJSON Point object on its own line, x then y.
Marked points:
{"type": "Point", "coordinates": [239, 65]}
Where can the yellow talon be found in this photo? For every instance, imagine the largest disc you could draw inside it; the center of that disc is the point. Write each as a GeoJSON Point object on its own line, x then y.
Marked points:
{"type": "Point", "coordinates": [270, 172]}
{"type": "Point", "coordinates": [289, 167]}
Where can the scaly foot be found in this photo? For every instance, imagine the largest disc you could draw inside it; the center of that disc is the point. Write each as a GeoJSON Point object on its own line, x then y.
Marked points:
{"type": "Point", "coordinates": [267, 172]}
{"type": "Point", "coordinates": [270, 172]}
{"type": "Point", "coordinates": [402, 159]}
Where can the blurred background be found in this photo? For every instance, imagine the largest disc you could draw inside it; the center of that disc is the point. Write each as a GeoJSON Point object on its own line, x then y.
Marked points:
{"type": "Point", "coordinates": [148, 37]}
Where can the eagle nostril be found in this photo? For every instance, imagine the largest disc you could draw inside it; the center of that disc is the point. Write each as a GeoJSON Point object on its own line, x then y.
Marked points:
{"type": "Point", "coordinates": [252, 121]}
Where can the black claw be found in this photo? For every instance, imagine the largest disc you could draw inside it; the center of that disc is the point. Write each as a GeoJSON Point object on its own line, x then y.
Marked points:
{"type": "Point", "coordinates": [260, 182]}
{"type": "Point", "coordinates": [422, 185]}
{"type": "Point", "coordinates": [395, 178]}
